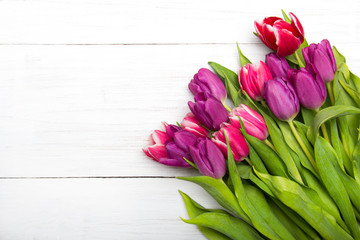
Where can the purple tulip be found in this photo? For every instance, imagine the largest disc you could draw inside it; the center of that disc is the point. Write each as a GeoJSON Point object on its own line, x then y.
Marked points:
{"type": "Point", "coordinates": [322, 58]}
{"type": "Point", "coordinates": [281, 98]}
{"type": "Point", "coordinates": [277, 65]}
{"type": "Point", "coordinates": [177, 149]}
{"type": "Point", "coordinates": [309, 87]}
{"type": "Point", "coordinates": [170, 147]}
{"type": "Point", "coordinates": [208, 158]}
{"type": "Point", "coordinates": [209, 111]}
{"type": "Point", "coordinates": [207, 81]}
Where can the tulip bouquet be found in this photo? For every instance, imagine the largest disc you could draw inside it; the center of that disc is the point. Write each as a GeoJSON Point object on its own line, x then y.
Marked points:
{"type": "Point", "coordinates": [284, 162]}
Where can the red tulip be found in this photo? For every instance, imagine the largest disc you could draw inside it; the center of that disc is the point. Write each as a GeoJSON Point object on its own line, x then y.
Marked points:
{"type": "Point", "coordinates": [280, 36]}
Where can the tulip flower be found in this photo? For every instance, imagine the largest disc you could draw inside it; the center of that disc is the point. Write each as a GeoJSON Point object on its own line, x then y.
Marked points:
{"type": "Point", "coordinates": [322, 58]}
{"type": "Point", "coordinates": [238, 145]}
{"type": "Point", "coordinates": [209, 111]}
{"type": "Point", "coordinates": [156, 150]}
{"type": "Point", "coordinates": [252, 79]}
{"type": "Point", "coordinates": [309, 87]}
{"type": "Point", "coordinates": [191, 124]}
{"type": "Point", "coordinates": [171, 147]}
{"type": "Point", "coordinates": [208, 158]}
{"type": "Point", "coordinates": [281, 98]}
{"type": "Point", "coordinates": [280, 36]}
{"type": "Point", "coordinates": [277, 65]}
{"type": "Point", "coordinates": [207, 81]}
{"type": "Point", "coordinates": [253, 122]}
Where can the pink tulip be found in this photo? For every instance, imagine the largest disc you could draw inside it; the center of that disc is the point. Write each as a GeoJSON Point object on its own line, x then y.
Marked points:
{"type": "Point", "coordinates": [157, 148]}
{"type": "Point", "coordinates": [280, 36]}
{"type": "Point", "coordinates": [253, 122]}
{"type": "Point", "coordinates": [191, 124]}
{"type": "Point", "coordinates": [237, 141]}
{"type": "Point", "coordinates": [252, 78]}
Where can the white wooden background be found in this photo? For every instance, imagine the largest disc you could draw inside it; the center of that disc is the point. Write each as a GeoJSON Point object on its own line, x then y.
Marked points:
{"type": "Point", "coordinates": [84, 82]}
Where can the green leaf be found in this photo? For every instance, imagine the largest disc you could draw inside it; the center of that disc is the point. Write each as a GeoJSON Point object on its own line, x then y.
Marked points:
{"type": "Point", "coordinates": [224, 223]}
{"type": "Point", "coordinates": [256, 160]}
{"type": "Point", "coordinates": [327, 114]}
{"type": "Point", "coordinates": [286, 18]}
{"type": "Point", "coordinates": [261, 219]}
{"type": "Point", "coordinates": [292, 195]}
{"type": "Point", "coordinates": [222, 71]}
{"type": "Point", "coordinates": [355, 95]}
{"type": "Point", "coordinates": [271, 160]}
{"type": "Point", "coordinates": [243, 60]}
{"type": "Point", "coordinates": [278, 141]}
{"type": "Point", "coordinates": [325, 157]}
{"type": "Point", "coordinates": [233, 93]}
{"type": "Point", "coordinates": [194, 209]}
{"type": "Point", "coordinates": [343, 158]}
{"type": "Point", "coordinates": [244, 170]}
{"type": "Point", "coordinates": [348, 124]}
{"type": "Point", "coordinates": [339, 58]}
{"type": "Point", "coordinates": [308, 115]}
{"type": "Point", "coordinates": [220, 192]}
{"type": "Point", "coordinates": [290, 225]}
{"type": "Point", "coordinates": [321, 197]}
{"type": "Point", "coordinates": [355, 80]}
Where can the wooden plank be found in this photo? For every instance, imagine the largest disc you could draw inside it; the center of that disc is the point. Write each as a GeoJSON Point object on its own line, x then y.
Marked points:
{"type": "Point", "coordinates": [158, 21]}
{"type": "Point", "coordinates": [88, 110]}
{"type": "Point", "coordinates": [97, 209]}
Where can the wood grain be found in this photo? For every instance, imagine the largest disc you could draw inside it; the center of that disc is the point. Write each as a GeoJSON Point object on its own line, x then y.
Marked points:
{"type": "Point", "coordinates": [161, 21]}
{"type": "Point", "coordinates": [95, 209]}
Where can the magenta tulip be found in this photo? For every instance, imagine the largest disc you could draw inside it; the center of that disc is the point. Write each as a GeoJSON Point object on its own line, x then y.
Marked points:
{"type": "Point", "coordinates": [309, 87]}
{"type": "Point", "coordinates": [208, 158]}
{"type": "Point", "coordinates": [322, 58]}
{"type": "Point", "coordinates": [281, 98]}
{"type": "Point", "coordinates": [238, 145]}
{"type": "Point", "coordinates": [207, 81]}
{"type": "Point", "coordinates": [253, 122]}
{"type": "Point", "coordinates": [280, 36]}
{"type": "Point", "coordinates": [252, 79]}
{"type": "Point", "coordinates": [209, 111]}
{"type": "Point", "coordinates": [277, 65]}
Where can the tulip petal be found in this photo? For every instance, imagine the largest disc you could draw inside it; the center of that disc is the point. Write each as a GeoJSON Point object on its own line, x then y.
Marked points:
{"type": "Point", "coordinates": [159, 137]}
{"type": "Point", "coordinates": [269, 37]}
{"type": "Point", "coordinates": [296, 24]}
{"type": "Point", "coordinates": [174, 162]}
{"type": "Point", "coordinates": [287, 42]}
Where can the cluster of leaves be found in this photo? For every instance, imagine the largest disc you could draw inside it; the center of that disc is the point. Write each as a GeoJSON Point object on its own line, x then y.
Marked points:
{"type": "Point", "coordinates": [286, 193]}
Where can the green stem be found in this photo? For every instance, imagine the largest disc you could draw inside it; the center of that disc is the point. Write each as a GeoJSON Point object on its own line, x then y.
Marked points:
{"type": "Point", "coordinates": [324, 130]}
{"type": "Point", "coordinates": [226, 107]}
{"type": "Point", "coordinates": [248, 161]}
{"type": "Point", "coordinates": [302, 144]}
{"type": "Point", "coordinates": [331, 94]}
{"type": "Point", "coordinates": [267, 142]}
{"type": "Point", "coordinates": [301, 64]}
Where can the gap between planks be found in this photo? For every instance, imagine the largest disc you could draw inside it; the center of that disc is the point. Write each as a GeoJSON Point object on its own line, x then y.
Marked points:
{"type": "Point", "coordinates": [90, 177]}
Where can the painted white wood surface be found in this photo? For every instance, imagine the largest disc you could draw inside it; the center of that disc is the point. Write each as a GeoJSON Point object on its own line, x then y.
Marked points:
{"type": "Point", "coordinates": [84, 82]}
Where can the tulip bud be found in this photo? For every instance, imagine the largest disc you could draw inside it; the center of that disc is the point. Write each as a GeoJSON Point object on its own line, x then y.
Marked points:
{"type": "Point", "coordinates": [281, 99]}
{"type": "Point", "coordinates": [178, 148]}
{"type": "Point", "coordinates": [157, 148]}
{"type": "Point", "coordinates": [322, 58]}
{"type": "Point", "coordinates": [277, 65]}
{"type": "Point", "coordinates": [191, 124]}
{"type": "Point", "coordinates": [280, 36]}
{"type": "Point", "coordinates": [207, 81]}
{"type": "Point", "coordinates": [170, 147]}
{"type": "Point", "coordinates": [208, 158]}
{"type": "Point", "coordinates": [253, 122]}
{"type": "Point", "coordinates": [309, 87]}
{"type": "Point", "coordinates": [209, 111]}
{"type": "Point", "coordinates": [238, 145]}
{"type": "Point", "coordinates": [252, 79]}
